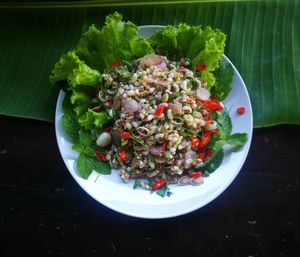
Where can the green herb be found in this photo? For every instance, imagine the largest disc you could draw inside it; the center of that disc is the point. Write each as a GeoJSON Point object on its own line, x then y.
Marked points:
{"type": "Point", "coordinates": [236, 139]}
{"type": "Point", "coordinates": [86, 164]}
{"type": "Point", "coordinates": [164, 191]}
{"type": "Point", "coordinates": [136, 184]}
{"type": "Point", "coordinates": [71, 126]}
{"type": "Point", "coordinates": [224, 76]}
{"type": "Point", "coordinates": [214, 162]}
{"type": "Point", "coordinates": [139, 141]}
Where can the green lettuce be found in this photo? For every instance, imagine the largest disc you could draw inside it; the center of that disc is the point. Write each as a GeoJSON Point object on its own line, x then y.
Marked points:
{"type": "Point", "coordinates": [197, 44]}
{"type": "Point", "coordinates": [75, 71]}
{"type": "Point", "coordinates": [117, 40]}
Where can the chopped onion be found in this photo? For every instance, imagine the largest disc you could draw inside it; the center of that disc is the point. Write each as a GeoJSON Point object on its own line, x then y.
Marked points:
{"type": "Point", "coordinates": [130, 105]}
{"type": "Point", "coordinates": [202, 93]}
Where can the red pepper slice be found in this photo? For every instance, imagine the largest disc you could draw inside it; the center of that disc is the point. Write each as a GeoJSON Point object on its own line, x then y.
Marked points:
{"type": "Point", "coordinates": [204, 140]}
{"type": "Point", "coordinates": [101, 155]}
{"type": "Point", "coordinates": [209, 153]}
{"type": "Point", "coordinates": [201, 155]}
{"type": "Point", "coordinates": [163, 147]}
{"type": "Point", "coordinates": [122, 154]}
{"type": "Point", "coordinates": [195, 174]}
{"type": "Point", "coordinates": [158, 184]}
{"type": "Point", "coordinates": [159, 110]}
{"type": "Point", "coordinates": [195, 141]}
{"type": "Point", "coordinates": [115, 63]}
{"type": "Point", "coordinates": [211, 105]}
{"type": "Point", "coordinates": [106, 129]}
{"type": "Point", "coordinates": [125, 135]}
{"type": "Point", "coordinates": [241, 110]}
{"type": "Point", "coordinates": [201, 67]}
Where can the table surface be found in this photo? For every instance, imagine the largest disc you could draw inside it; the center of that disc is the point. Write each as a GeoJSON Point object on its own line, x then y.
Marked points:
{"type": "Point", "coordinates": [43, 212]}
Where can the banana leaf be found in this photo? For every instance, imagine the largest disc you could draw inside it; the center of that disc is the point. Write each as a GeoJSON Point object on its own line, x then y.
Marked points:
{"type": "Point", "coordinates": [263, 43]}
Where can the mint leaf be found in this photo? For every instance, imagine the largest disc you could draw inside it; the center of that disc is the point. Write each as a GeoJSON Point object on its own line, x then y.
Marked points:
{"type": "Point", "coordinates": [224, 76]}
{"type": "Point", "coordinates": [86, 164]}
{"type": "Point", "coordinates": [163, 191]}
{"type": "Point", "coordinates": [237, 139]}
{"type": "Point", "coordinates": [214, 162]}
{"type": "Point", "coordinates": [71, 126]}
{"type": "Point", "coordinates": [224, 123]}
{"type": "Point", "coordinates": [85, 137]}
{"type": "Point", "coordinates": [101, 167]}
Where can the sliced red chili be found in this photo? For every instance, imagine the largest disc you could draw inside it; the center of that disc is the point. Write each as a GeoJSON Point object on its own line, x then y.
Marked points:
{"type": "Point", "coordinates": [159, 110]}
{"type": "Point", "coordinates": [201, 67]}
{"type": "Point", "coordinates": [101, 155]}
{"type": "Point", "coordinates": [115, 63]}
{"type": "Point", "coordinates": [209, 153]}
{"type": "Point", "coordinates": [201, 155]}
{"type": "Point", "coordinates": [125, 135]}
{"type": "Point", "coordinates": [195, 141]}
{"type": "Point", "coordinates": [212, 106]}
{"type": "Point", "coordinates": [122, 154]}
{"type": "Point", "coordinates": [204, 140]}
{"type": "Point", "coordinates": [106, 129]}
{"type": "Point", "coordinates": [195, 174]}
{"type": "Point", "coordinates": [241, 110]}
{"type": "Point", "coordinates": [158, 184]}
{"type": "Point", "coordinates": [163, 147]}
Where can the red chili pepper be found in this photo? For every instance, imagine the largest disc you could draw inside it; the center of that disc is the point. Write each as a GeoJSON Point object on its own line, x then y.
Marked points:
{"type": "Point", "coordinates": [201, 67]}
{"type": "Point", "coordinates": [195, 141]}
{"type": "Point", "coordinates": [158, 184]}
{"type": "Point", "coordinates": [209, 153]}
{"type": "Point", "coordinates": [241, 110]}
{"type": "Point", "coordinates": [125, 135]}
{"type": "Point", "coordinates": [215, 106]}
{"type": "Point", "coordinates": [201, 154]}
{"type": "Point", "coordinates": [163, 147]}
{"type": "Point", "coordinates": [106, 129]}
{"type": "Point", "coordinates": [204, 140]}
{"type": "Point", "coordinates": [115, 63]}
{"type": "Point", "coordinates": [211, 105]}
{"type": "Point", "coordinates": [101, 155]}
{"type": "Point", "coordinates": [122, 154]}
{"type": "Point", "coordinates": [195, 174]}
{"type": "Point", "coordinates": [159, 110]}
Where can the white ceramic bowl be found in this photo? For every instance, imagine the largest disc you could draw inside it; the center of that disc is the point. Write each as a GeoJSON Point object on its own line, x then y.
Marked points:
{"type": "Point", "coordinates": [110, 191]}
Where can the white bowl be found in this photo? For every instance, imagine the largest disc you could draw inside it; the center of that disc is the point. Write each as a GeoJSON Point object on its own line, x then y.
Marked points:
{"type": "Point", "coordinates": [110, 191]}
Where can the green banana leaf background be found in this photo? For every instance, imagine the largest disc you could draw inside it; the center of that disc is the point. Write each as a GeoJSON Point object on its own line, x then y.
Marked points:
{"type": "Point", "coordinates": [263, 43]}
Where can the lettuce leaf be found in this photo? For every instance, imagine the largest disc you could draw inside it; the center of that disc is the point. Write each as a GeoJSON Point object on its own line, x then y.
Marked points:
{"type": "Point", "coordinates": [224, 76]}
{"type": "Point", "coordinates": [117, 40]}
{"type": "Point", "coordinates": [75, 71]}
{"type": "Point", "coordinates": [199, 45]}
{"type": "Point", "coordinates": [94, 119]}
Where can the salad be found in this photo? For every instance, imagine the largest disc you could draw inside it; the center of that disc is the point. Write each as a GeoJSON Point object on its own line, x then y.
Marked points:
{"type": "Point", "coordinates": [152, 108]}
